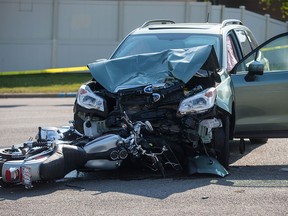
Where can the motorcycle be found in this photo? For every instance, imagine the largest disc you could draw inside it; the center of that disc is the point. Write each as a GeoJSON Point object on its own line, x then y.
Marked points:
{"type": "Point", "coordinates": [58, 151]}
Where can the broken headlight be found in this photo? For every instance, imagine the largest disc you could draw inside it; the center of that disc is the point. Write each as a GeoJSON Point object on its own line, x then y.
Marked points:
{"type": "Point", "coordinates": [198, 103]}
{"type": "Point", "coordinates": [88, 99]}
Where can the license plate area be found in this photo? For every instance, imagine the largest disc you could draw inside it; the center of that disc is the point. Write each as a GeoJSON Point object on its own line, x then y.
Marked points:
{"type": "Point", "coordinates": [26, 176]}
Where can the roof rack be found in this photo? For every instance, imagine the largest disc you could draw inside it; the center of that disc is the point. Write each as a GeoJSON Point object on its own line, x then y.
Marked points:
{"type": "Point", "coordinates": [156, 21]}
{"type": "Point", "coordinates": [231, 22]}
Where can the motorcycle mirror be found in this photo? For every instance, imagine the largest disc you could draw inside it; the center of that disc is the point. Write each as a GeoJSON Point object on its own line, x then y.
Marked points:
{"type": "Point", "coordinates": [148, 126]}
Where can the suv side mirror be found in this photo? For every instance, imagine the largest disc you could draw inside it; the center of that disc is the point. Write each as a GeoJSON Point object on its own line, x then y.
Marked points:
{"type": "Point", "coordinates": [255, 68]}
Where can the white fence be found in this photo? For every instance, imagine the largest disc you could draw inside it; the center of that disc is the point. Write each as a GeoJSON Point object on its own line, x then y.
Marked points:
{"type": "Point", "coordinates": [37, 34]}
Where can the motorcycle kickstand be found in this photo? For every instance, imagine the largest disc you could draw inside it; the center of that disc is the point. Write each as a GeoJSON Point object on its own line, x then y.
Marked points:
{"type": "Point", "coordinates": [242, 146]}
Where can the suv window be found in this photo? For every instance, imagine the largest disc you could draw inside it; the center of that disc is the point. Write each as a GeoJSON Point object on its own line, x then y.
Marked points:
{"type": "Point", "coordinates": [251, 40]}
{"type": "Point", "coordinates": [272, 54]}
{"type": "Point", "coordinates": [245, 44]}
{"type": "Point", "coordinates": [147, 43]}
{"type": "Point", "coordinates": [275, 55]}
{"type": "Point", "coordinates": [244, 41]}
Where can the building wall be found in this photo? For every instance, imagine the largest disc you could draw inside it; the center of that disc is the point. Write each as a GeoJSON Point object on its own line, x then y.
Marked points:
{"type": "Point", "coordinates": [61, 33]}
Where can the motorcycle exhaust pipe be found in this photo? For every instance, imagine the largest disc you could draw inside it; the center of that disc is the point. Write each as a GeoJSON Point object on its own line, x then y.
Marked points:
{"type": "Point", "coordinates": [113, 154]}
{"type": "Point", "coordinates": [121, 154]}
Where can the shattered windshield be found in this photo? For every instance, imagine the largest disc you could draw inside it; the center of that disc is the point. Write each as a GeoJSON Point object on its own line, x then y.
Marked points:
{"type": "Point", "coordinates": [150, 43]}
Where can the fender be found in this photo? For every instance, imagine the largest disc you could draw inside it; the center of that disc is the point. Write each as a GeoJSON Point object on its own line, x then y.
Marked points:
{"type": "Point", "coordinates": [65, 159]}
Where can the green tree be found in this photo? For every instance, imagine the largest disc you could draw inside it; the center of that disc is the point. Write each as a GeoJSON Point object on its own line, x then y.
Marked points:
{"type": "Point", "coordinates": [274, 5]}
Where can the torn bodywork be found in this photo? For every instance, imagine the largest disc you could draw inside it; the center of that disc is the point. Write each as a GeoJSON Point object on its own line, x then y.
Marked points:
{"type": "Point", "coordinates": [175, 90]}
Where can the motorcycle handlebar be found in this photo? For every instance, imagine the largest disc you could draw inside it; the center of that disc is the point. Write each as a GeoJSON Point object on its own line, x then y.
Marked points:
{"type": "Point", "coordinates": [137, 125]}
{"type": "Point", "coordinates": [127, 121]}
{"type": "Point", "coordinates": [38, 143]}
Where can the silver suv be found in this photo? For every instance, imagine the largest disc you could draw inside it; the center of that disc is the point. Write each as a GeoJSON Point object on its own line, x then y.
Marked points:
{"type": "Point", "coordinates": [183, 78]}
{"type": "Point", "coordinates": [231, 40]}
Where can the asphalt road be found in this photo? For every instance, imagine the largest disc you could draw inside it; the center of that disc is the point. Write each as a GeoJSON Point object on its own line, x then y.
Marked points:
{"type": "Point", "coordinates": [257, 184]}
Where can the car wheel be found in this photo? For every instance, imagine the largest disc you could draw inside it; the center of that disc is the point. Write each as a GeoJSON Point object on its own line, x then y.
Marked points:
{"type": "Point", "coordinates": [258, 140]}
{"type": "Point", "coordinates": [222, 142]}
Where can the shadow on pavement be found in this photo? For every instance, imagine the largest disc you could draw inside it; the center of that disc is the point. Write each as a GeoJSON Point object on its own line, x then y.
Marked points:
{"type": "Point", "coordinates": [149, 184]}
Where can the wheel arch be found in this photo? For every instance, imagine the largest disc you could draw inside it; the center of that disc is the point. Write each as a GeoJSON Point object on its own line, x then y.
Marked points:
{"type": "Point", "coordinates": [231, 120]}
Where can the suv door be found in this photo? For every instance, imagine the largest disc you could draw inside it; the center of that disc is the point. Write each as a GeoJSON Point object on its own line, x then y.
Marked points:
{"type": "Point", "coordinates": [260, 82]}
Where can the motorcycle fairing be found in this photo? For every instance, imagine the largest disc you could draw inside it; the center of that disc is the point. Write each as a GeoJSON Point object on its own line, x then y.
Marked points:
{"type": "Point", "coordinates": [153, 68]}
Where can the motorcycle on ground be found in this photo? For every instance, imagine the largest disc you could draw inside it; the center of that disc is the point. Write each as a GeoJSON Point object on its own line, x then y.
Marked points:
{"type": "Point", "coordinates": [58, 151]}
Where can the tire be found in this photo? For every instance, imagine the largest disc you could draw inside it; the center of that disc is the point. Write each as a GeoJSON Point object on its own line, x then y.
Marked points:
{"type": "Point", "coordinates": [258, 140]}
{"type": "Point", "coordinates": [3, 184]}
{"type": "Point", "coordinates": [222, 142]}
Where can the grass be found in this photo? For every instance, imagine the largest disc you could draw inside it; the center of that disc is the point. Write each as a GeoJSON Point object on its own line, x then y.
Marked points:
{"type": "Point", "coordinates": [42, 83]}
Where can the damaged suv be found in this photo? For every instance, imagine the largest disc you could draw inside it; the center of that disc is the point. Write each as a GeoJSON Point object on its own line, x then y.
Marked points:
{"type": "Point", "coordinates": [177, 76]}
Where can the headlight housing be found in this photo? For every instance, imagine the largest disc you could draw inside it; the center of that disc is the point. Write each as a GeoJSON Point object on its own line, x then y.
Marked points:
{"type": "Point", "coordinates": [88, 99]}
{"type": "Point", "coordinates": [198, 103]}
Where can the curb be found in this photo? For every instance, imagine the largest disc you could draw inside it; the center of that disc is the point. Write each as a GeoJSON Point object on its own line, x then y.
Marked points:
{"type": "Point", "coordinates": [39, 95]}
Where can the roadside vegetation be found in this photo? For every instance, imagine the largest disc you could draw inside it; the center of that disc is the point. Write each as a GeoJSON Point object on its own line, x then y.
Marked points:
{"type": "Point", "coordinates": [42, 83]}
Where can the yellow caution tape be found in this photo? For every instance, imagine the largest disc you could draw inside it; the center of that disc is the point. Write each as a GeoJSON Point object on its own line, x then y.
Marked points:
{"type": "Point", "coordinates": [85, 69]}
{"type": "Point", "coordinates": [48, 70]}
{"type": "Point", "coordinates": [274, 48]}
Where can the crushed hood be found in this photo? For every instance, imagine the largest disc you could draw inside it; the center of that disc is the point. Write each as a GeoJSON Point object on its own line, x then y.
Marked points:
{"type": "Point", "coordinates": [153, 68]}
